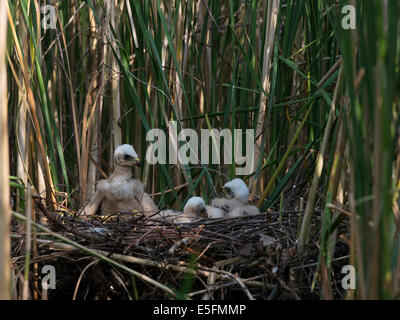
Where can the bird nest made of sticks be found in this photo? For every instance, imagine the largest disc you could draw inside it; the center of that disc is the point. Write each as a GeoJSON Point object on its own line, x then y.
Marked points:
{"type": "Point", "coordinates": [248, 257]}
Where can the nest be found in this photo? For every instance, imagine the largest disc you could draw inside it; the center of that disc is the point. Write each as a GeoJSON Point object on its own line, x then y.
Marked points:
{"type": "Point", "coordinates": [127, 256]}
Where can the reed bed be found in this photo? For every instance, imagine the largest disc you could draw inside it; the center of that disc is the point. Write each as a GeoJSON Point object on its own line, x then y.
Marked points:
{"type": "Point", "coordinates": [323, 103]}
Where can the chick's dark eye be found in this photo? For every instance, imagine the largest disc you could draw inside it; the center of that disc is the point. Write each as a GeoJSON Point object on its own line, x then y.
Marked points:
{"type": "Point", "coordinates": [127, 157]}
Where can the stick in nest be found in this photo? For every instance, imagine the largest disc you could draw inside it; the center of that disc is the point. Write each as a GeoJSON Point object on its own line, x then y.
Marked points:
{"type": "Point", "coordinates": [55, 221]}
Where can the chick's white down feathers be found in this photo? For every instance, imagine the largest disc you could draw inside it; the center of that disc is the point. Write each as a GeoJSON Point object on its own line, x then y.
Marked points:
{"type": "Point", "coordinates": [225, 205]}
{"type": "Point", "coordinates": [195, 209]}
{"type": "Point", "coordinates": [125, 149]}
{"type": "Point", "coordinates": [236, 195]}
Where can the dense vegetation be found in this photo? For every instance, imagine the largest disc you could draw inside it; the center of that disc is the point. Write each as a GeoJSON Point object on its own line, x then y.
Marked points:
{"type": "Point", "coordinates": [323, 102]}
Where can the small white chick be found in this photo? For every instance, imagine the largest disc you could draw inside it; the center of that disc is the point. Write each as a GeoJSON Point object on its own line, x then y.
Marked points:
{"type": "Point", "coordinates": [120, 192]}
{"type": "Point", "coordinates": [236, 195]}
{"type": "Point", "coordinates": [237, 189]}
{"type": "Point", "coordinates": [195, 209]}
{"type": "Point", "coordinates": [236, 201]}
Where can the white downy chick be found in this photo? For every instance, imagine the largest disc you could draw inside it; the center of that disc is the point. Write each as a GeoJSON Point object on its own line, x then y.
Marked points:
{"type": "Point", "coordinates": [237, 189]}
{"type": "Point", "coordinates": [195, 209]}
{"type": "Point", "coordinates": [236, 195]}
{"type": "Point", "coordinates": [120, 192]}
{"type": "Point", "coordinates": [225, 205]}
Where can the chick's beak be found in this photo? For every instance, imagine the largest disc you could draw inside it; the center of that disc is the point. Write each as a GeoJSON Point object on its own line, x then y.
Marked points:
{"type": "Point", "coordinates": [202, 211]}
{"type": "Point", "coordinates": [136, 162]}
{"type": "Point", "coordinates": [227, 192]}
